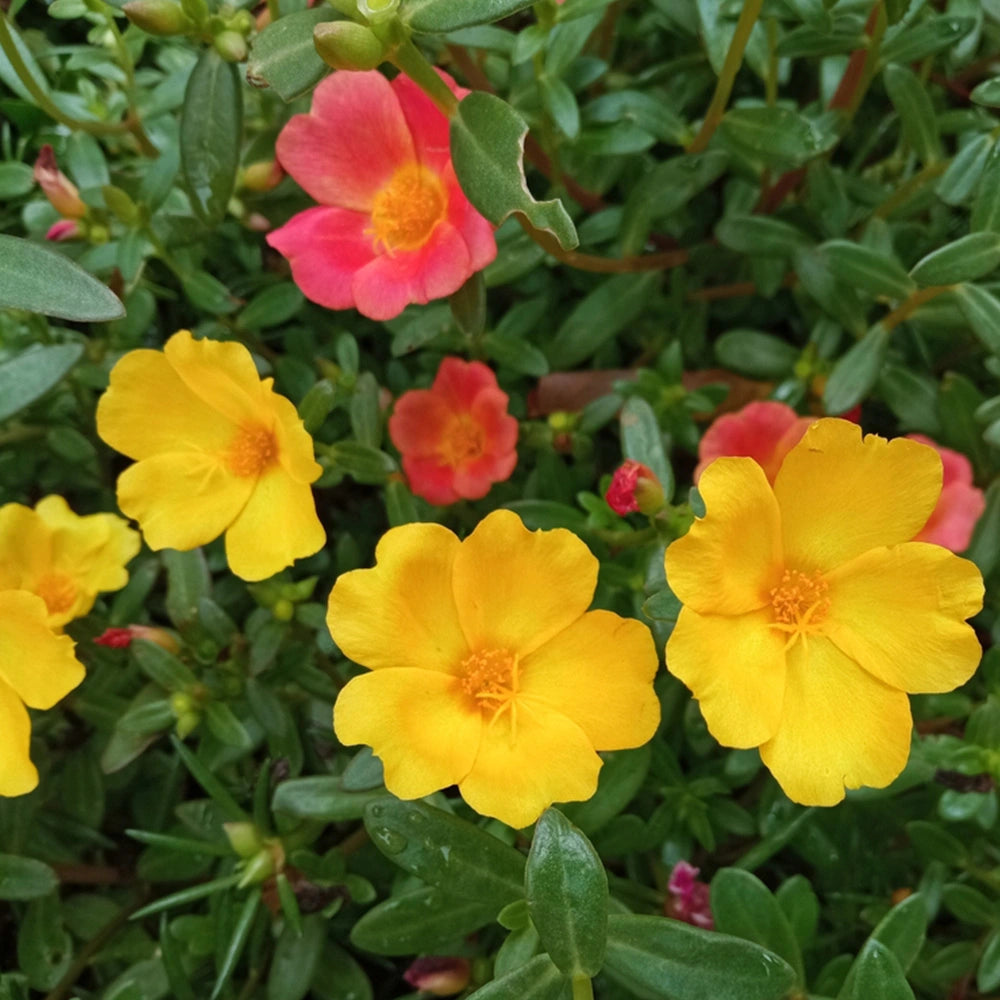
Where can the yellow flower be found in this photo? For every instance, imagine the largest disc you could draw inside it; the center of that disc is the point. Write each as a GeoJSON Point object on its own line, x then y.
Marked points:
{"type": "Point", "coordinates": [37, 668]}
{"type": "Point", "coordinates": [63, 558]}
{"type": "Point", "coordinates": [487, 670]}
{"type": "Point", "coordinates": [808, 612]}
{"type": "Point", "coordinates": [216, 450]}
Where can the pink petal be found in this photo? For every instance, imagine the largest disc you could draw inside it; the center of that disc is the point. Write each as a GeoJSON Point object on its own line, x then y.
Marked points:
{"type": "Point", "coordinates": [326, 248]}
{"type": "Point", "coordinates": [428, 126]}
{"type": "Point", "coordinates": [489, 410]}
{"type": "Point", "coordinates": [474, 479]}
{"type": "Point", "coordinates": [418, 423]}
{"type": "Point", "coordinates": [460, 382]}
{"type": "Point", "coordinates": [956, 468]}
{"type": "Point", "coordinates": [954, 518]}
{"type": "Point", "coordinates": [350, 143]}
{"type": "Point", "coordinates": [476, 230]}
{"type": "Point", "coordinates": [429, 479]}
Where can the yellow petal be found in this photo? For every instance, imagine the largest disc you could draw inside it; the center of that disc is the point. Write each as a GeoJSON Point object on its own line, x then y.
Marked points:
{"type": "Point", "coordinates": [17, 774]}
{"type": "Point", "coordinates": [840, 496]}
{"type": "Point", "coordinates": [277, 526]}
{"type": "Point", "coordinates": [900, 613]}
{"type": "Point", "coordinates": [599, 673]}
{"type": "Point", "coordinates": [840, 726]}
{"type": "Point", "coordinates": [520, 771]}
{"type": "Point", "coordinates": [418, 724]}
{"type": "Point", "coordinates": [735, 667]}
{"type": "Point", "coordinates": [25, 547]}
{"type": "Point", "coordinates": [515, 589]}
{"type": "Point", "coordinates": [401, 613]}
{"type": "Point", "coordinates": [222, 374]}
{"type": "Point", "coordinates": [295, 446]}
{"type": "Point", "coordinates": [731, 558]}
{"type": "Point", "coordinates": [182, 500]}
{"type": "Point", "coordinates": [39, 665]}
{"type": "Point", "coordinates": [148, 410]}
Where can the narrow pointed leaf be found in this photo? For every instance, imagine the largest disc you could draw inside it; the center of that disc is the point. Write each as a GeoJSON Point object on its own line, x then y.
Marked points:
{"type": "Point", "coordinates": [965, 259]}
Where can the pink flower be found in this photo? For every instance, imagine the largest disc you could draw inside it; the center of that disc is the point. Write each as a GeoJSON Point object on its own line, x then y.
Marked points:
{"type": "Point", "coordinates": [960, 505]}
{"type": "Point", "coordinates": [59, 189]}
{"type": "Point", "coordinates": [689, 898]}
{"type": "Point", "coordinates": [393, 226]}
{"type": "Point", "coordinates": [634, 487]}
{"type": "Point", "coordinates": [765, 432]}
{"type": "Point", "coordinates": [439, 976]}
{"type": "Point", "coordinates": [457, 437]}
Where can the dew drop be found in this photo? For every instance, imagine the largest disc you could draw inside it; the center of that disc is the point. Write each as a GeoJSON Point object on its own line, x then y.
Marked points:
{"type": "Point", "coordinates": [390, 842]}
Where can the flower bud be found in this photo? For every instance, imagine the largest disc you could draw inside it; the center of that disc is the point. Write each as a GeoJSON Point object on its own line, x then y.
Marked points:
{"type": "Point", "coordinates": [441, 976]}
{"type": "Point", "coordinates": [243, 838]}
{"type": "Point", "coordinates": [122, 638]}
{"type": "Point", "coordinates": [346, 45]}
{"type": "Point", "coordinates": [634, 487]}
{"type": "Point", "coordinates": [158, 17]}
{"type": "Point", "coordinates": [64, 229]}
{"type": "Point", "coordinates": [231, 45]}
{"type": "Point", "coordinates": [377, 11]}
{"type": "Point", "coordinates": [59, 189]}
{"type": "Point", "coordinates": [262, 175]}
{"type": "Point", "coordinates": [689, 898]}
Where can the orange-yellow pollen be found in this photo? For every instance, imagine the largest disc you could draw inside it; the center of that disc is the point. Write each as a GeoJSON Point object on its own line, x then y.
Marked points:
{"type": "Point", "coordinates": [407, 210]}
{"type": "Point", "coordinates": [800, 599]}
{"type": "Point", "coordinates": [252, 451]}
{"type": "Point", "coordinates": [463, 441]}
{"type": "Point", "coordinates": [490, 677]}
{"type": "Point", "coordinates": [58, 590]}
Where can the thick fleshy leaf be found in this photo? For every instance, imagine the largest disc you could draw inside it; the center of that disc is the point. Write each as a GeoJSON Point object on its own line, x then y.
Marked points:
{"type": "Point", "coordinates": [284, 57]}
{"type": "Point", "coordinates": [439, 16]}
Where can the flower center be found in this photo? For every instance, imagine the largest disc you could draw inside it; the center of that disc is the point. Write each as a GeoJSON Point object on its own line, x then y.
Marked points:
{"type": "Point", "coordinates": [800, 601]}
{"type": "Point", "coordinates": [463, 441]}
{"type": "Point", "coordinates": [58, 590]}
{"type": "Point", "coordinates": [252, 451]}
{"type": "Point", "coordinates": [489, 676]}
{"type": "Point", "coordinates": [406, 211]}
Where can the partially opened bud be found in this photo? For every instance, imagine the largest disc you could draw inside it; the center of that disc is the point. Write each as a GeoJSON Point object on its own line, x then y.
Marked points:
{"type": "Point", "coordinates": [689, 898]}
{"type": "Point", "coordinates": [346, 45]}
{"type": "Point", "coordinates": [158, 17]}
{"type": "Point", "coordinates": [122, 638]}
{"type": "Point", "coordinates": [59, 189]}
{"type": "Point", "coordinates": [64, 229]}
{"type": "Point", "coordinates": [439, 976]}
{"type": "Point", "coordinates": [634, 487]}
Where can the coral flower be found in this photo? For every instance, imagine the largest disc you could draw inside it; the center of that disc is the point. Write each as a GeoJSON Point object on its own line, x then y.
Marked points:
{"type": "Point", "coordinates": [763, 431]}
{"type": "Point", "coordinates": [216, 450]}
{"type": "Point", "coordinates": [65, 559]}
{"type": "Point", "coordinates": [634, 487]}
{"type": "Point", "coordinates": [393, 226]}
{"type": "Point", "coordinates": [457, 437]}
{"type": "Point", "coordinates": [485, 668]}
{"type": "Point", "coordinates": [961, 504]}
{"type": "Point", "coordinates": [809, 612]}
{"type": "Point", "coordinates": [37, 668]}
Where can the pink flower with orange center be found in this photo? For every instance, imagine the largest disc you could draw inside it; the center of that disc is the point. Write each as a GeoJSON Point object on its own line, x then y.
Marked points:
{"type": "Point", "coordinates": [763, 431]}
{"type": "Point", "coordinates": [393, 226]}
{"type": "Point", "coordinates": [456, 438]}
{"type": "Point", "coordinates": [961, 504]}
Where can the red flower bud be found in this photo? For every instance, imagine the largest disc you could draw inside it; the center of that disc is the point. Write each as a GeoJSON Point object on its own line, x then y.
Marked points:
{"type": "Point", "coordinates": [64, 229]}
{"type": "Point", "coordinates": [59, 189]}
{"type": "Point", "coordinates": [122, 638]}
{"type": "Point", "coordinates": [689, 898]}
{"type": "Point", "coordinates": [634, 487]}
{"type": "Point", "coordinates": [438, 975]}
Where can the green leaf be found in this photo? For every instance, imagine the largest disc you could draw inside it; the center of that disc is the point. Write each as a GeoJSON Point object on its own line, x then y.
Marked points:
{"type": "Point", "coordinates": [857, 371]}
{"type": "Point", "coordinates": [987, 93]}
{"type": "Point", "coordinates": [986, 205]}
{"type": "Point", "coordinates": [777, 136]}
{"type": "Point", "coordinates": [188, 581]}
{"type": "Point", "coordinates": [798, 902]}
{"type": "Point", "coordinates": [663, 606]}
{"type": "Point", "coordinates": [916, 113]}
{"type": "Point", "coordinates": [903, 929]}
{"type": "Point", "coordinates": [756, 354]}
{"type": "Point", "coordinates": [44, 948]}
{"type": "Point", "coordinates": [487, 148]}
{"type": "Point", "coordinates": [362, 462]}
{"type": "Point", "coordinates": [560, 102]}
{"type": "Point", "coordinates": [909, 43]}
{"type": "Point", "coordinates": [296, 958]}
{"type": "Point", "coordinates": [744, 907]}
{"type": "Point", "coordinates": [15, 179]}
{"type": "Point", "coordinates": [661, 959]}
{"type": "Point", "coordinates": [25, 878]}
{"type": "Point", "coordinates": [642, 441]}
{"type": "Point", "coordinates": [537, 979]}
{"type": "Point", "coordinates": [161, 666]}
{"type": "Point", "coordinates": [760, 236]}
{"type": "Point", "coordinates": [988, 973]}
{"type": "Point", "coordinates": [322, 797]}
{"type": "Point", "coordinates": [877, 975]}
{"type": "Point", "coordinates": [962, 177]}
{"type": "Point", "coordinates": [446, 851]}
{"type": "Point", "coordinates": [619, 780]}
{"type": "Point", "coordinates": [271, 307]}
{"type": "Point", "coordinates": [30, 375]}
{"type": "Point", "coordinates": [284, 57]}
{"type": "Point", "coordinates": [605, 312]}
{"type": "Point", "coordinates": [567, 891]}
{"type": "Point", "coordinates": [969, 904]}
{"type": "Point", "coordinates": [339, 976]}
{"type": "Point", "coordinates": [982, 311]}
{"type": "Point", "coordinates": [426, 920]}
{"type": "Point", "coordinates": [517, 354]}
{"type": "Point", "coordinates": [225, 727]}
{"type": "Point", "coordinates": [211, 132]}
{"type": "Point", "coordinates": [41, 280]}
{"type": "Point", "coordinates": [868, 269]}
{"type": "Point", "coordinates": [438, 16]}
{"type": "Point", "coordinates": [965, 259]}
{"type": "Point", "coordinates": [234, 948]}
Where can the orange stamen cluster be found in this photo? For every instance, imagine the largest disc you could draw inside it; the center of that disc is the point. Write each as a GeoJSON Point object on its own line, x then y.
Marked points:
{"type": "Point", "coordinates": [58, 590]}
{"type": "Point", "coordinates": [252, 451]}
{"type": "Point", "coordinates": [463, 441]}
{"type": "Point", "coordinates": [407, 210]}
{"type": "Point", "coordinates": [800, 600]}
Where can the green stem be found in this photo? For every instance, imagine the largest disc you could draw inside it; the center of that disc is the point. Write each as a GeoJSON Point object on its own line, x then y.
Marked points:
{"type": "Point", "coordinates": [730, 67]}
{"type": "Point", "coordinates": [582, 988]}
{"type": "Point", "coordinates": [405, 56]}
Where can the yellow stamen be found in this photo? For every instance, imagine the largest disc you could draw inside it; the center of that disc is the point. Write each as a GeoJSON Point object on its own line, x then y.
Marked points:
{"type": "Point", "coordinates": [490, 678]}
{"type": "Point", "coordinates": [58, 590]}
{"type": "Point", "coordinates": [407, 210]}
{"type": "Point", "coordinates": [251, 451]}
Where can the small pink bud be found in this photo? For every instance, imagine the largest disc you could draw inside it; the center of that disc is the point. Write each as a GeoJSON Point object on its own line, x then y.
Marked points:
{"type": "Point", "coordinates": [64, 229]}
{"type": "Point", "coordinates": [689, 898]}
{"type": "Point", "coordinates": [122, 638]}
{"type": "Point", "coordinates": [634, 487]}
{"type": "Point", "coordinates": [59, 189]}
{"type": "Point", "coordinates": [257, 222]}
{"type": "Point", "coordinates": [441, 976]}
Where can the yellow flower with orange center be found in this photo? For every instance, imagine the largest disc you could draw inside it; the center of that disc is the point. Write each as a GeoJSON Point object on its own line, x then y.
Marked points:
{"type": "Point", "coordinates": [486, 669]}
{"type": "Point", "coordinates": [216, 450]}
{"type": "Point", "coordinates": [37, 668]}
{"type": "Point", "coordinates": [809, 612]}
{"type": "Point", "coordinates": [66, 559]}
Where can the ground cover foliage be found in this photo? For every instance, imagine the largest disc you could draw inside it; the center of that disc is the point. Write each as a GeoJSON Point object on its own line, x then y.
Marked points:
{"type": "Point", "coordinates": [717, 202]}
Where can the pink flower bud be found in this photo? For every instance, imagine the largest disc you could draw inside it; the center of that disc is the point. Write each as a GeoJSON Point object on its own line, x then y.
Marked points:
{"type": "Point", "coordinates": [64, 229]}
{"type": "Point", "coordinates": [441, 976]}
{"type": "Point", "coordinates": [634, 487]}
{"type": "Point", "coordinates": [59, 189]}
{"type": "Point", "coordinates": [122, 638]}
{"type": "Point", "coordinates": [689, 898]}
